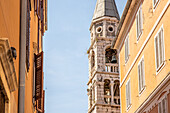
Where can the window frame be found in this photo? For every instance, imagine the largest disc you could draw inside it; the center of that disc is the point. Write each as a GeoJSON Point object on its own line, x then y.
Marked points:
{"type": "Point", "coordinates": [157, 45]}
{"type": "Point", "coordinates": [127, 48]}
{"type": "Point", "coordinates": [139, 23]}
{"type": "Point", "coordinates": [141, 81]}
{"type": "Point", "coordinates": [161, 103]}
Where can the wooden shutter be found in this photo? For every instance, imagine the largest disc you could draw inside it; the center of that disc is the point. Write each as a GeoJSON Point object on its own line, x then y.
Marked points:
{"type": "Point", "coordinates": [140, 20]}
{"type": "Point", "coordinates": [38, 8]}
{"type": "Point", "coordinates": [42, 17]}
{"type": "Point", "coordinates": [28, 36]}
{"type": "Point", "coordinates": [128, 47]}
{"type": "Point", "coordinates": [129, 93]}
{"type": "Point", "coordinates": [43, 106]}
{"type": "Point", "coordinates": [46, 14]}
{"type": "Point", "coordinates": [137, 24]}
{"type": "Point", "coordinates": [126, 95]}
{"type": "Point", "coordinates": [156, 48]}
{"type": "Point", "coordinates": [139, 74]}
{"type": "Point", "coordinates": [159, 49]}
{"type": "Point", "coordinates": [142, 74]}
{"type": "Point", "coordinates": [38, 76]}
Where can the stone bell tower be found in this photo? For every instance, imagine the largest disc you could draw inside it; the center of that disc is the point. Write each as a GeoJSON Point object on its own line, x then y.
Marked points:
{"type": "Point", "coordinates": [103, 85]}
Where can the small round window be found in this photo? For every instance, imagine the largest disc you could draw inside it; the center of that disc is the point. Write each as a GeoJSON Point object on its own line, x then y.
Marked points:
{"type": "Point", "coordinates": [110, 28]}
{"type": "Point", "coordinates": [99, 29]}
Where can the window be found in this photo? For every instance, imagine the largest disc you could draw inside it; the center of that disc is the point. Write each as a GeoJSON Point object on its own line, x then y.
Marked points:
{"type": "Point", "coordinates": [141, 75]}
{"type": "Point", "coordinates": [110, 56]}
{"type": "Point", "coordinates": [93, 95]}
{"type": "Point", "coordinates": [38, 76]}
{"type": "Point", "coordinates": [162, 106]}
{"type": "Point", "coordinates": [127, 49]}
{"type": "Point", "coordinates": [159, 49]}
{"type": "Point", "coordinates": [128, 97]}
{"type": "Point", "coordinates": [107, 92]}
{"type": "Point", "coordinates": [139, 22]}
{"type": "Point", "coordinates": [116, 92]}
{"type": "Point", "coordinates": [28, 35]}
{"type": "Point", "coordinates": [155, 2]}
{"type": "Point", "coordinates": [93, 60]}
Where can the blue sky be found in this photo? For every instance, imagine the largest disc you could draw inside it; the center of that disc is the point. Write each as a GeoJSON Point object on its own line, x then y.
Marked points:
{"type": "Point", "coordinates": [66, 61]}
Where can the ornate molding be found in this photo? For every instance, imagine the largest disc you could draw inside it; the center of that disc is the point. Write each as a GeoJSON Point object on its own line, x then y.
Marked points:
{"type": "Point", "coordinates": [6, 60]}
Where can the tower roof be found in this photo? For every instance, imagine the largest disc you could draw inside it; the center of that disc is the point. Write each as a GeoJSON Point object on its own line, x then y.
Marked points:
{"type": "Point", "coordinates": [106, 8]}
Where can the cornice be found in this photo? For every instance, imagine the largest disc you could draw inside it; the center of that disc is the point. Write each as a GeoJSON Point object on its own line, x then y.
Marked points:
{"type": "Point", "coordinates": [6, 60]}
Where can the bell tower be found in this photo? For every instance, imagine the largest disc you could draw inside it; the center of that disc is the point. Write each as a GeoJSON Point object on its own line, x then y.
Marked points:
{"type": "Point", "coordinates": [103, 85]}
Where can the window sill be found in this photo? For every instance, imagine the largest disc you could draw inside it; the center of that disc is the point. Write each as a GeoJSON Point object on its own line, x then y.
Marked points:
{"type": "Point", "coordinates": [155, 5]}
{"type": "Point", "coordinates": [126, 61]}
{"type": "Point", "coordinates": [128, 108]}
{"type": "Point", "coordinates": [142, 90]}
{"type": "Point", "coordinates": [138, 38]}
{"type": "Point", "coordinates": [158, 70]}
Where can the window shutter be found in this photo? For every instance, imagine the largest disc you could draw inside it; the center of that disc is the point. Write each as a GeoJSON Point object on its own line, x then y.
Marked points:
{"type": "Point", "coordinates": [127, 96]}
{"type": "Point", "coordinates": [46, 14]}
{"type": "Point", "coordinates": [140, 20]}
{"type": "Point", "coordinates": [38, 8]}
{"type": "Point", "coordinates": [28, 36]}
{"type": "Point", "coordinates": [38, 76]}
{"type": "Point", "coordinates": [139, 74]}
{"type": "Point", "coordinates": [142, 73]}
{"type": "Point", "coordinates": [37, 4]}
{"type": "Point", "coordinates": [128, 47]}
{"type": "Point", "coordinates": [43, 106]}
{"type": "Point", "coordinates": [125, 50]}
{"type": "Point", "coordinates": [42, 17]}
{"type": "Point", "coordinates": [129, 92]}
{"type": "Point", "coordinates": [157, 57]}
{"type": "Point", "coordinates": [137, 23]}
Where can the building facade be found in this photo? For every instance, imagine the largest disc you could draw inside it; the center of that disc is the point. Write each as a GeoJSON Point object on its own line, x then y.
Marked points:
{"type": "Point", "coordinates": [142, 41]}
{"type": "Point", "coordinates": [23, 23]}
{"type": "Point", "coordinates": [103, 84]}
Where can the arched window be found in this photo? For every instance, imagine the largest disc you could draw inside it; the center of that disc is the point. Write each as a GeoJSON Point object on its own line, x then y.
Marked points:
{"type": "Point", "coordinates": [92, 60]}
{"type": "Point", "coordinates": [116, 92]}
{"type": "Point", "coordinates": [110, 55]}
{"type": "Point", "coordinates": [107, 93]}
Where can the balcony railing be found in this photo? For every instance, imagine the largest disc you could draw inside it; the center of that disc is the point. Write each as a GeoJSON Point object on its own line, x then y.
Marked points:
{"type": "Point", "coordinates": [109, 67]}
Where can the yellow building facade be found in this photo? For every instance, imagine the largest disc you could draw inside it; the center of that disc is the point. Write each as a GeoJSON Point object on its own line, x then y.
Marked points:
{"type": "Point", "coordinates": [142, 41]}
{"type": "Point", "coordinates": [23, 23]}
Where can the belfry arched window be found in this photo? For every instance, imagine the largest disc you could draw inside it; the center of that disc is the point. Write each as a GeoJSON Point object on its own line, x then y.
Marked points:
{"type": "Point", "coordinates": [111, 60]}
{"type": "Point", "coordinates": [107, 92]}
{"type": "Point", "coordinates": [110, 56]}
{"type": "Point", "coordinates": [92, 59]}
{"type": "Point", "coordinates": [116, 92]}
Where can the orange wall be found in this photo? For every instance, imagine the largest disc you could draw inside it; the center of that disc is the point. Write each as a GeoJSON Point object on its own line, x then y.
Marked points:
{"type": "Point", "coordinates": [152, 80]}
{"type": "Point", "coordinates": [10, 28]}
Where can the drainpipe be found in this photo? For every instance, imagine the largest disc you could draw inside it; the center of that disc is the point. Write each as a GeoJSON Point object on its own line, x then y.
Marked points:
{"type": "Point", "coordinates": [22, 56]}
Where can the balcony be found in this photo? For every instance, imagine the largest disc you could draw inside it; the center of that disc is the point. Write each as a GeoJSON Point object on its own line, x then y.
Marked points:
{"type": "Point", "coordinates": [113, 68]}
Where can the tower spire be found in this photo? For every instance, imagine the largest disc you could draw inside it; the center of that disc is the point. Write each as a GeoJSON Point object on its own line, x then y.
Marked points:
{"type": "Point", "coordinates": [106, 8]}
